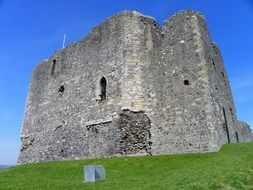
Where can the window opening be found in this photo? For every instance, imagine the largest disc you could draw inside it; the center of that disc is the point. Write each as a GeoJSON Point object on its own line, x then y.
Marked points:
{"type": "Point", "coordinates": [224, 78]}
{"type": "Point", "coordinates": [103, 84]}
{"type": "Point", "coordinates": [186, 82]}
{"type": "Point", "coordinates": [232, 114]}
{"type": "Point", "coordinates": [214, 66]}
{"type": "Point", "coordinates": [61, 90]}
{"type": "Point", "coordinates": [53, 67]}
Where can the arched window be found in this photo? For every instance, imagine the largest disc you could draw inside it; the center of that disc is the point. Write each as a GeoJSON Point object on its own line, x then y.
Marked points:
{"type": "Point", "coordinates": [103, 84]}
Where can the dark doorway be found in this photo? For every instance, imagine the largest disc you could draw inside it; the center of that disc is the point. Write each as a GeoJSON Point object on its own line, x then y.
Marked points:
{"type": "Point", "coordinates": [237, 137]}
{"type": "Point", "coordinates": [103, 84]}
{"type": "Point", "coordinates": [226, 124]}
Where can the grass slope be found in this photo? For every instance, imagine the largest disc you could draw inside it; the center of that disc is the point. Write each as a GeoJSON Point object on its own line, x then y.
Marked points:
{"type": "Point", "coordinates": [230, 168]}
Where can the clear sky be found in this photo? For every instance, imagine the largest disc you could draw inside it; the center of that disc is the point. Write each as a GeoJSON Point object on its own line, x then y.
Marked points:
{"type": "Point", "coordinates": [31, 31]}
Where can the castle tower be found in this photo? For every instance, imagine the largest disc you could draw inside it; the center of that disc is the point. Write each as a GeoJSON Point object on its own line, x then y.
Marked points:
{"type": "Point", "coordinates": [197, 110]}
{"type": "Point", "coordinates": [131, 87]}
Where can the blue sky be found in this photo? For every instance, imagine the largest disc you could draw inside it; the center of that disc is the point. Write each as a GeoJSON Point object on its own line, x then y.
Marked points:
{"type": "Point", "coordinates": [31, 30]}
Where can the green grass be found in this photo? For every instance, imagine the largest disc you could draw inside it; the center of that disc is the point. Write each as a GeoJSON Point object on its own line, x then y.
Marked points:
{"type": "Point", "coordinates": [230, 168]}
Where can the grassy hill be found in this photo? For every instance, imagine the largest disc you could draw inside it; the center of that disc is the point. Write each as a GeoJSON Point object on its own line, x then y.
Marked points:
{"type": "Point", "coordinates": [230, 168]}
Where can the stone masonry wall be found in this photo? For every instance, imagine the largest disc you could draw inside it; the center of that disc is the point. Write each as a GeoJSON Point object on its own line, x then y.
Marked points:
{"type": "Point", "coordinates": [223, 116]}
{"type": "Point", "coordinates": [131, 87]}
{"type": "Point", "coordinates": [183, 122]}
{"type": "Point", "coordinates": [78, 68]}
{"type": "Point", "coordinates": [244, 132]}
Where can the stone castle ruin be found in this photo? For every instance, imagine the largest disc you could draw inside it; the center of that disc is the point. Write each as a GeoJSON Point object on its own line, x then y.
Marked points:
{"type": "Point", "coordinates": [131, 87]}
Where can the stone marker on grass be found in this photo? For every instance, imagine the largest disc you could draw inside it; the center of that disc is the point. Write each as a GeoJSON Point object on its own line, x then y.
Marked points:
{"type": "Point", "coordinates": [93, 173]}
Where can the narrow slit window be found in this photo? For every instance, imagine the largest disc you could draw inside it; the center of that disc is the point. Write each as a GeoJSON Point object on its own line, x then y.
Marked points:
{"type": "Point", "coordinates": [223, 75]}
{"type": "Point", "coordinates": [103, 85]}
{"type": "Point", "coordinates": [224, 78]}
{"type": "Point", "coordinates": [214, 66]}
{"type": "Point", "coordinates": [232, 115]}
{"type": "Point", "coordinates": [61, 90]}
{"type": "Point", "coordinates": [53, 67]}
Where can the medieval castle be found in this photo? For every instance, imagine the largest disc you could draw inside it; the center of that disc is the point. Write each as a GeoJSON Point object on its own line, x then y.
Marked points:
{"type": "Point", "coordinates": [132, 87]}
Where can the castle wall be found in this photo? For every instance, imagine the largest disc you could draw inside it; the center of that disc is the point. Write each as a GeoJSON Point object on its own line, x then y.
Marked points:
{"type": "Point", "coordinates": [224, 117]}
{"type": "Point", "coordinates": [141, 41]}
{"type": "Point", "coordinates": [65, 118]}
{"type": "Point", "coordinates": [183, 124]}
{"type": "Point", "coordinates": [244, 132]}
{"type": "Point", "coordinates": [131, 87]}
{"type": "Point", "coordinates": [75, 122]}
{"type": "Point", "coordinates": [142, 89]}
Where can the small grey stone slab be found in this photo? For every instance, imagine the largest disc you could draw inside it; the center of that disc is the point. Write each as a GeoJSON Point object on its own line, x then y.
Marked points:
{"type": "Point", "coordinates": [93, 173]}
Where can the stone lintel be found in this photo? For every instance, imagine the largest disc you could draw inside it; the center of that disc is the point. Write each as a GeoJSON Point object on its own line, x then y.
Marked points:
{"type": "Point", "coordinates": [99, 121]}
